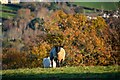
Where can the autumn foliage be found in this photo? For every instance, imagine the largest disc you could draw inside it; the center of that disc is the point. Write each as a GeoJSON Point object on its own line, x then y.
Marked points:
{"type": "Point", "coordinates": [86, 42]}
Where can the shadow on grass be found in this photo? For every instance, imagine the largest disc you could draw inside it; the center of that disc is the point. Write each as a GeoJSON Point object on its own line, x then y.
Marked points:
{"type": "Point", "coordinates": [64, 76]}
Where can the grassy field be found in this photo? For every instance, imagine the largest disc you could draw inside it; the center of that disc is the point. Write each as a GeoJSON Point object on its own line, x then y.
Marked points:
{"type": "Point", "coordinates": [99, 5]}
{"type": "Point", "coordinates": [7, 15]}
{"type": "Point", "coordinates": [88, 72]}
{"type": "Point", "coordinates": [7, 12]}
{"type": "Point", "coordinates": [9, 8]}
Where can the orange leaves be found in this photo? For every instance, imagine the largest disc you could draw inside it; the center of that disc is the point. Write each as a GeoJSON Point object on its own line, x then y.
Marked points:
{"type": "Point", "coordinates": [98, 41]}
{"type": "Point", "coordinates": [77, 33]}
{"type": "Point", "coordinates": [62, 14]}
{"type": "Point", "coordinates": [35, 50]}
{"type": "Point", "coordinates": [41, 50]}
{"type": "Point", "coordinates": [87, 42]}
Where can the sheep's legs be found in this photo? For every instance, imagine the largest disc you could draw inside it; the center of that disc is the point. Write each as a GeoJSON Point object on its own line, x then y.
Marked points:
{"type": "Point", "coordinates": [58, 64]}
{"type": "Point", "coordinates": [61, 63]}
{"type": "Point", "coordinates": [51, 63]}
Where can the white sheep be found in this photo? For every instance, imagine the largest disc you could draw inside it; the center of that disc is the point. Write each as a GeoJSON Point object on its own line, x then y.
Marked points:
{"type": "Point", "coordinates": [115, 16]}
{"type": "Point", "coordinates": [47, 62]}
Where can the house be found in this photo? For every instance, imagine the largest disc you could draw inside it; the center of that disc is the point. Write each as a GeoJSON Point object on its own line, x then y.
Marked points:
{"type": "Point", "coordinates": [15, 1]}
{"type": "Point", "coordinates": [10, 1]}
{"type": "Point", "coordinates": [4, 1]}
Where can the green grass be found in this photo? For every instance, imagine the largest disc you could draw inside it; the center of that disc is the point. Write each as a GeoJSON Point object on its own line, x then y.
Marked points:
{"type": "Point", "coordinates": [63, 73]}
{"type": "Point", "coordinates": [8, 8]}
{"type": "Point", "coordinates": [6, 15]}
{"type": "Point", "coordinates": [7, 12]}
{"type": "Point", "coordinates": [99, 5]}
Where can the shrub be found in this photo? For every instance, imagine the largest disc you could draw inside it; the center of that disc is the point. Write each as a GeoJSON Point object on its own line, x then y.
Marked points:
{"type": "Point", "coordinates": [41, 51]}
{"type": "Point", "coordinates": [86, 42]}
{"type": "Point", "coordinates": [81, 36]}
{"type": "Point", "coordinates": [13, 59]}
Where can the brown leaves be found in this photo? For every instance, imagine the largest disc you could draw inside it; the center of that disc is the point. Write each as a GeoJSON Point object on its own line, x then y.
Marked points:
{"type": "Point", "coordinates": [86, 42]}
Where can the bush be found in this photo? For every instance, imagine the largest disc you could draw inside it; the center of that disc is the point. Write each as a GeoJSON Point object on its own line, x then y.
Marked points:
{"type": "Point", "coordinates": [86, 42]}
{"type": "Point", "coordinates": [87, 38]}
{"type": "Point", "coordinates": [13, 59]}
{"type": "Point", "coordinates": [41, 51]}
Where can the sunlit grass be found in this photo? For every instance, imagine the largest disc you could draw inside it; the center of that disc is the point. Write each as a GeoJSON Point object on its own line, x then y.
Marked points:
{"type": "Point", "coordinates": [6, 15]}
{"type": "Point", "coordinates": [9, 11]}
{"type": "Point", "coordinates": [99, 5]}
{"type": "Point", "coordinates": [80, 69]}
{"type": "Point", "coordinates": [8, 8]}
{"type": "Point", "coordinates": [64, 72]}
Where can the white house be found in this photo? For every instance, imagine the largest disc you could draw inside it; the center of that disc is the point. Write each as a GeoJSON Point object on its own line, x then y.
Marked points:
{"type": "Point", "coordinates": [11, 1]}
{"type": "Point", "coordinates": [15, 1]}
{"type": "Point", "coordinates": [39, 0]}
{"type": "Point", "coordinates": [4, 1]}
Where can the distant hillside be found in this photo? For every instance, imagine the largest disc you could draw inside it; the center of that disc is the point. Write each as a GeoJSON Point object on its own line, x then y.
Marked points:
{"type": "Point", "coordinates": [8, 11]}
{"type": "Point", "coordinates": [99, 5]}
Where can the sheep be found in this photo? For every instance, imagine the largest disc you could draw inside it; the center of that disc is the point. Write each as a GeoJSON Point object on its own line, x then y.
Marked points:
{"type": "Point", "coordinates": [115, 16]}
{"type": "Point", "coordinates": [58, 54]}
{"type": "Point", "coordinates": [54, 64]}
{"type": "Point", "coordinates": [46, 62]}
{"type": "Point", "coordinates": [61, 55]}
